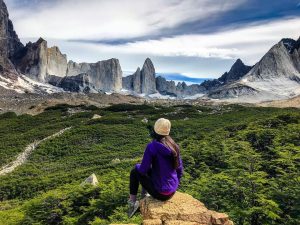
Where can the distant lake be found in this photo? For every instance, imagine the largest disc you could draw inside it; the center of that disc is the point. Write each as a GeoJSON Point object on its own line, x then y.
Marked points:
{"type": "Point", "coordinates": [176, 77]}
{"type": "Point", "coordinates": [180, 78]}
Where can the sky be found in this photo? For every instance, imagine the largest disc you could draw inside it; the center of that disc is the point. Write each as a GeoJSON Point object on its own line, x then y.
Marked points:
{"type": "Point", "coordinates": [194, 38]}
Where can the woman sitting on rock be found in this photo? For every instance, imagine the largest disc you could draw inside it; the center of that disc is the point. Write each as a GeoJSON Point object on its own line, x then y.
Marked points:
{"type": "Point", "coordinates": [160, 170]}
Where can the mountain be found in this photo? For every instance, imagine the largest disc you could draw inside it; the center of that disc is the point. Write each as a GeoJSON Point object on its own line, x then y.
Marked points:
{"type": "Point", "coordinates": [145, 82]}
{"type": "Point", "coordinates": [9, 42]}
{"type": "Point", "coordinates": [238, 70]}
{"type": "Point", "coordinates": [37, 68]}
{"type": "Point", "coordinates": [275, 76]}
{"type": "Point", "coordinates": [142, 81]}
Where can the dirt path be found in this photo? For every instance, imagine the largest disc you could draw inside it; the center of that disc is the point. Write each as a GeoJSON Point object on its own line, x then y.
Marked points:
{"type": "Point", "coordinates": [25, 154]}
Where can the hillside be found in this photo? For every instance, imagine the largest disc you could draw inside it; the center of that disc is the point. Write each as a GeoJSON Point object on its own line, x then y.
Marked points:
{"type": "Point", "coordinates": [243, 161]}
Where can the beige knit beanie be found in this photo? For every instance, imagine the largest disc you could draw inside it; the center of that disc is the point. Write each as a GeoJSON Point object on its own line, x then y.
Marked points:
{"type": "Point", "coordinates": [162, 126]}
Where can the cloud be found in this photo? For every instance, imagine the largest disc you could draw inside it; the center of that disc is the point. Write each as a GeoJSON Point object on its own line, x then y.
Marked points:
{"type": "Point", "coordinates": [248, 43]}
{"type": "Point", "coordinates": [114, 19]}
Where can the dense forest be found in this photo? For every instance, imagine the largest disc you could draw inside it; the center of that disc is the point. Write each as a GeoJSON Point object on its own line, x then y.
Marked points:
{"type": "Point", "coordinates": [244, 161]}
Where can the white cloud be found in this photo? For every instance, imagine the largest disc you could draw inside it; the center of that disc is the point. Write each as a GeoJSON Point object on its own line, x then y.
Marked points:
{"type": "Point", "coordinates": [248, 43]}
{"type": "Point", "coordinates": [113, 19]}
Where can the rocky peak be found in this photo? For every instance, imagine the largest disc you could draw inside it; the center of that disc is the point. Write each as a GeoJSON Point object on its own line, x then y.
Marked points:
{"type": "Point", "coordinates": [290, 44]}
{"type": "Point", "coordinates": [148, 83]}
{"type": "Point", "coordinates": [238, 70]}
{"type": "Point", "coordinates": [148, 65]}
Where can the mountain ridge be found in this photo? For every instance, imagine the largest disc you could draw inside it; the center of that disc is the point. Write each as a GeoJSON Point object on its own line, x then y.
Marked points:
{"type": "Point", "coordinates": [38, 68]}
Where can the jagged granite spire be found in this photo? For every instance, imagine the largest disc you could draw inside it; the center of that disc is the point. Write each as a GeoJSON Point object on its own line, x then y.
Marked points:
{"type": "Point", "coordinates": [148, 83]}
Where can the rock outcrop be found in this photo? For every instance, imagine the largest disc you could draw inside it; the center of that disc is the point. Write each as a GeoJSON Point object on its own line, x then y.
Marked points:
{"type": "Point", "coordinates": [92, 180]}
{"type": "Point", "coordinates": [181, 209]}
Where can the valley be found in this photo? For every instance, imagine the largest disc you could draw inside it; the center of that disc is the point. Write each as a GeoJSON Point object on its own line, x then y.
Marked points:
{"type": "Point", "coordinates": [228, 152]}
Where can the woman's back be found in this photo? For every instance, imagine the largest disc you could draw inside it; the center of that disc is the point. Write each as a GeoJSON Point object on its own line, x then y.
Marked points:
{"type": "Point", "coordinates": [159, 159]}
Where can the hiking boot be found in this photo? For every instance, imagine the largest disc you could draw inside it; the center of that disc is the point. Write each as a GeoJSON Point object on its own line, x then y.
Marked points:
{"type": "Point", "coordinates": [145, 195]}
{"type": "Point", "coordinates": [132, 207]}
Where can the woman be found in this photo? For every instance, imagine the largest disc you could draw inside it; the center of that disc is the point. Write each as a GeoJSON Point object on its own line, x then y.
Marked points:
{"type": "Point", "coordinates": [160, 170]}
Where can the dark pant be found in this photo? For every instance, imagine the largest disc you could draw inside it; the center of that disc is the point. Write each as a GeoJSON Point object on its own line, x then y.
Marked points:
{"type": "Point", "coordinates": [136, 178]}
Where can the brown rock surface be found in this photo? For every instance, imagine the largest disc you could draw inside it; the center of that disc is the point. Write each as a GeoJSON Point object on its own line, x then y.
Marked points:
{"type": "Point", "coordinates": [182, 209]}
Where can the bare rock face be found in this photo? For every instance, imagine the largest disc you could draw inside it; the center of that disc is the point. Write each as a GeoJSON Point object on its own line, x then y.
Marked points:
{"type": "Point", "coordinates": [142, 81]}
{"type": "Point", "coordinates": [56, 62]}
{"type": "Point", "coordinates": [78, 83]}
{"type": "Point", "coordinates": [148, 83]}
{"type": "Point", "coordinates": [9, 42]}
{"type": "Point", "coordinates": [103, 76]}
{"type": "Point", "coordinates": [127, 82]}
{"type": "Point", "coordinates": [181, 209]}
{"type": "Point", "coordinates": [281, 61]}
{"type": "Point", "coordinates": [136, 81]}
{"type": "Point", "coordinates": [32, 60]}
{"type": "Point", "coordinates": [37, 61]}
{"type": "Point", "coordinates": [166, 87]}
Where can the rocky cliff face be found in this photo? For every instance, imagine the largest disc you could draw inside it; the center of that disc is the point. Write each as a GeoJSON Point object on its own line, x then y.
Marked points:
{"type": "Point", "coordinates": [56, 62]}
{"type": "Point", "coordinates": [142, 81]}
{"type": "Point", "coordinates": [9, 42]}
{"type": "Point", "coordinates": [103, 76]}
{"type": "Point", "coordinates": [148, 83]}
{"type": "Point", "coordinates": [38, 62]}
{"type": "Point", "coordinates": [32, 60]}
{"type": "Point", "coordinates": [166, 87]}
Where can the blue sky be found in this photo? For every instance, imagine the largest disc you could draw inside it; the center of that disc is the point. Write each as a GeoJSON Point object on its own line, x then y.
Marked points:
{"type": "Point", "coordinates": [197, 38]}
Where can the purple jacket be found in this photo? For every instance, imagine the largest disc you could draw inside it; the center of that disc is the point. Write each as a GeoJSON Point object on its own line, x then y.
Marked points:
{"type": "Point", "coordinates": [158, 158]}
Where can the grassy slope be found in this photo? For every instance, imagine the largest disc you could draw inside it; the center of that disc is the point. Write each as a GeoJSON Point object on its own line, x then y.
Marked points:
{"type": "Point", "coordinates": [208, 137]}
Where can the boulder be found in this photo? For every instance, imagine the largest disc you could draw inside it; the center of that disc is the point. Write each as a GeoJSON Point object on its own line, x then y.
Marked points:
{"type": "Point", "coordinates": [91, 180]}
{"type": "Point", "coordinates": [96, 116]}
{"type": "Point", "coordinates": [181, 209]}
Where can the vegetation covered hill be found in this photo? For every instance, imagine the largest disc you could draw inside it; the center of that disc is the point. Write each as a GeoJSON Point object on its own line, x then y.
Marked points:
{"type": "Point", "coordinates": [244, 161]}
